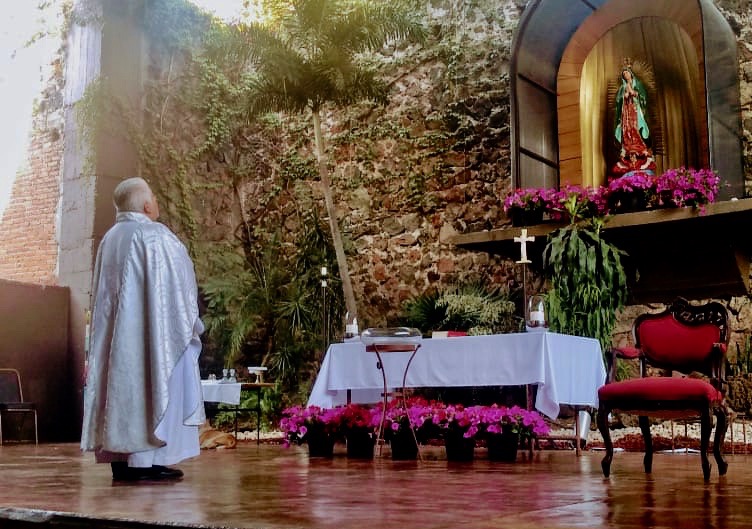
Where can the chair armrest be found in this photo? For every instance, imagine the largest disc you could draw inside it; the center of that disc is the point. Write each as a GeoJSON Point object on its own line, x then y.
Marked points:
{"type": "Point", "coordinates": [627, 352]}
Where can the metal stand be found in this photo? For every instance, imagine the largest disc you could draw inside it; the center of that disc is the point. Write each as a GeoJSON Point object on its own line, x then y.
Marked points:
{"type": "Point", "coordinates": [258, 386]}
{"type": "Point", "coordinates": [393, 348]}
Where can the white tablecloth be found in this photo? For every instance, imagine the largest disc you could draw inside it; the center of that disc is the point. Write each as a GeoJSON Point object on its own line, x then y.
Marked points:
{"type": "Point", "coordinates": [566, 369]}
{"type": "Point", "coordinates": [214, 391]}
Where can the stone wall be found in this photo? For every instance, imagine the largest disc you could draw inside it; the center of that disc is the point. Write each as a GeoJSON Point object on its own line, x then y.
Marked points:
{"type": "Point", "coordinates": [432, 163]}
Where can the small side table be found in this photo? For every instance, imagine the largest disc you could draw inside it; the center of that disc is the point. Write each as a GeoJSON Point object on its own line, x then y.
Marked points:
{"type": "Point", "coordinates": [258, 386]}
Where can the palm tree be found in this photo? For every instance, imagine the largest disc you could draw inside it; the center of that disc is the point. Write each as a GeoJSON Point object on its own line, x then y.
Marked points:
{"type": "Point", "coordinates": [308, 57]}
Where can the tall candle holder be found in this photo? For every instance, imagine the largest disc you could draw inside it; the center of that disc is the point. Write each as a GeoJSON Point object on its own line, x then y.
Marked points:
{"type": "Point", "coordinates": [523, 239]}
{"type": "Point", "coordinates": [325, 318]}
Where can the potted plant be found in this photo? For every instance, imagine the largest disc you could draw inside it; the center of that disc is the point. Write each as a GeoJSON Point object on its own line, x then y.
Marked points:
{"type": "Point", "coordinates": [459, 426]}
{"type": "Point", "coordinates": [588, 281]}
{"type": "Point", "coordinates": [684, 187]}
{"type": "Point", "coordinates": [504, 427]}
{"type": "Point", "coordinates": [406, 424]}
{"type": "Point", "coordinates": [635, 191]}
{"type": "Point", "coordinates": [313, 425]}
{"type": "Point", "coordinates": [357, 424]}
{"type": "Point", "coordinates": [473, 307]}
{"type": "Point", "coordinates": [575, 203]}
{"type": "Point", "coordinates": [525, 207]}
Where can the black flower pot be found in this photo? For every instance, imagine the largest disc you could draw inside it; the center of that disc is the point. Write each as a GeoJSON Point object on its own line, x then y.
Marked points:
{"type": "Point", "coordinates": [525, 217]}
{"type": "Point", "coordinates": [458, 447]}
{"type": "Point", "coordinates": [403, 445]}
{"type": "Point", "coordinates": [320, 443]}
{"type": "Point", "coordinates": [628, 201]}
{"type": "Point", "coordinates": [503, 446]}
{"type": "Point", "coordinates": [360, 444]}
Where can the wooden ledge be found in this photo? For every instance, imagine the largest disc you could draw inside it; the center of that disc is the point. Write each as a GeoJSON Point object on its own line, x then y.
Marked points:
{"type": "Point", "coordinates": [676, 251]}
{"type": "Point", "coordinates": [622, 220]}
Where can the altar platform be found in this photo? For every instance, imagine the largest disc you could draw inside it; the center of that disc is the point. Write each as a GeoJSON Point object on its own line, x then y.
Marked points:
{"type": "Point", "coordinates": [269, 486]}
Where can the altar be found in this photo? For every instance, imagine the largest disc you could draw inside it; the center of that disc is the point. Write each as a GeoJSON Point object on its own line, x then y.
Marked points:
{"type": "Point", "coordinates": [566, 369]}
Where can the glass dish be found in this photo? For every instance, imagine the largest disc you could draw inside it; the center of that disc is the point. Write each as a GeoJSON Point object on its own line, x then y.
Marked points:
{"type": "Point", "coordinates": [391, 336]}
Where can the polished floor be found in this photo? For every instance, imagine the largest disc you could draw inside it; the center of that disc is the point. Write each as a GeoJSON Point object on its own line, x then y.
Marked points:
{"type": "Point", "coordinates": [269, 486]}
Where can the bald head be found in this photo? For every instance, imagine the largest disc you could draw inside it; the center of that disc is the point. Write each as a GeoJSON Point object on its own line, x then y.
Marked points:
{"type": "Point", "coordinates": [134, 194]}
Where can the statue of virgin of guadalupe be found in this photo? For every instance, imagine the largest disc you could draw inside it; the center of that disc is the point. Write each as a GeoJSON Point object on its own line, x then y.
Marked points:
{"type": "Point", "coordinates": [631, 131]}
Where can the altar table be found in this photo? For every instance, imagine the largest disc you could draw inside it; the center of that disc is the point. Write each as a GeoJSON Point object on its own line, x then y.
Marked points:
{"type": "Point", "coordinates": [566, 369]}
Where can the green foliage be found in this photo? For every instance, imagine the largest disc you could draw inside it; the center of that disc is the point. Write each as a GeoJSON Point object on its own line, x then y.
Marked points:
{"type": "Point", "coordinates": [266, 309]}
{"type": "Point", "coordinates": [91, 113]}
{"type": "Point", "coordinates": [744, 356]}
{"type": "Point", "coordinates": [271, 404]}
{"type": "Point", "coordinates": [174, 25]}
{"type": "Point", "coordinates": [588, 282]}
{"type": "Point", "coordinates": [308, 55]}
{"type": "Point", "coordinates": [472, 307]}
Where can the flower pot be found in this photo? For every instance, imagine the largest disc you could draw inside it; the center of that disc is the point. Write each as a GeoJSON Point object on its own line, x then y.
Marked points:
{"type": "Point", "coordinates": [525, 217]}
{"type": "Point", "coordinates": [503, 446]}
{"type": "Point", "coordinates": [458, 447]}
{"type": "Point", "coordinates": [628, 202]}
{"type": "Point", "coordinates": [403, 445]}
{"type": "Point", "coordinates": [320, 443]}
{"type": "Point", "coordinates": [666, 199]}
{"type": "Point", "coordinates": [694, 198]}
{"type": "Point", "coordinates": [360, 444]}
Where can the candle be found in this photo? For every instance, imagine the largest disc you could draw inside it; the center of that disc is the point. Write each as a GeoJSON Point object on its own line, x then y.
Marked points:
{"type": "Point", "coordinates": [537, 315]}
{"type": "Point", "coordinates": [323, 270]}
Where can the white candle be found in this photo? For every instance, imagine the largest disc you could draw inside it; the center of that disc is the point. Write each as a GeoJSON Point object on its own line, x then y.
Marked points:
{"type": "Point", "coordinates": [323, 270]}
{"type": "Point", "coordinates": [537, 315]}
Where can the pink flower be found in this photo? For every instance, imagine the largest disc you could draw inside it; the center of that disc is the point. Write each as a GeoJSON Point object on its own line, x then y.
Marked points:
{"type": "Point", "coordinates": [528, 199]}
{"type": "Point", "coordinates": [684, 187]}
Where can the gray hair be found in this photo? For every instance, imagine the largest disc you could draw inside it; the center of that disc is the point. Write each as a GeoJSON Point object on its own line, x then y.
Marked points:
{"type": "Point", "coordinates": [131, 194]}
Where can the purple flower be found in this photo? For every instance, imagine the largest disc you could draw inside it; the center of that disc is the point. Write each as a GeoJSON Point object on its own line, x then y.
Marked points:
{"type": "Point", "coordinates": [527, 423]}
{"type": "Point", "coordinates": [633, 181]}
{"type": "Point", "coordinates": [684, 187]}
{"type": "Point", "coordinates": [530, 199]}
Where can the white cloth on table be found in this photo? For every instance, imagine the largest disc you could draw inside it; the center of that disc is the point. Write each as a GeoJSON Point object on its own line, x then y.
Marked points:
{"type": "Point", "coordinates": [216, 391]}
{"type": "Point", "coordinates": [566, 369]}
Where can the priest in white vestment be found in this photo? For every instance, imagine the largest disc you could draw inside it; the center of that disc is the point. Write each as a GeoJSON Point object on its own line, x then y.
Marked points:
{"type": "Point", "coordinates": [142, 400]}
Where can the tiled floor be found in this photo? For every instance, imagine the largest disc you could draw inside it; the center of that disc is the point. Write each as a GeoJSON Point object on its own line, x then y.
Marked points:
{"type": "Point", "coordinates": [269, 486]}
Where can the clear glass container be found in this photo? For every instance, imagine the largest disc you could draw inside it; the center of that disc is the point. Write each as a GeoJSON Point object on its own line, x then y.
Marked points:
{"type": "Point", "coordinates": [535, 314]}
{"type": "Point", "coordinates": [351, 328]}
{"type": "Point", "coordinates": [391, 335]}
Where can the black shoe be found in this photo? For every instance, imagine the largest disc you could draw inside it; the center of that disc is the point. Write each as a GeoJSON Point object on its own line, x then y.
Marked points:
{"type": "Point", "coordinates": [122, 472]}
{"type": "Point", "coordinates": [160, 472]}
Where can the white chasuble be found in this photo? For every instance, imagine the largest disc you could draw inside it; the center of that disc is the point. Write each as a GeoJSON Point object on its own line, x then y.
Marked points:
{"type": "Point", "coordinates": [145, 323]}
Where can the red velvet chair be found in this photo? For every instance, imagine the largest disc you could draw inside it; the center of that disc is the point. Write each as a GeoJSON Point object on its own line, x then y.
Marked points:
{"type": "Point", "coordinates": [685, 338]}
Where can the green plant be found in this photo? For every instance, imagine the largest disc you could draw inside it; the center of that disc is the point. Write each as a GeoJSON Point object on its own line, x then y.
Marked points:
{"type": "Point", "coordinates": [588, 281]}
{"type": "Point", "coordinates": [473, 307]}
{"type": "Point", "coordinates": [744, 356]}
{"type": "Point", "coordinates": [271, 404]}
{"type": "Point", "coordinates": [310, 56]}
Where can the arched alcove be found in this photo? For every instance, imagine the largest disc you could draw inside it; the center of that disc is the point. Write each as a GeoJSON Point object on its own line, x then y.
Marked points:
{"type": "Point", "coordinates": [555, 132]}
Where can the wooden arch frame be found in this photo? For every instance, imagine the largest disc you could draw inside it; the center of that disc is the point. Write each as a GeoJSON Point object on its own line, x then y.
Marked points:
{"type": "Point", "coordinates": [685, 14]}
{"type": "Point", "coordinates": [544, 32]}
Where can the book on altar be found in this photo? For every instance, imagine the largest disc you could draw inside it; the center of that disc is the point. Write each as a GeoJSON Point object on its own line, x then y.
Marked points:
{"type": "Point", "coordinates": [447, 334]}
